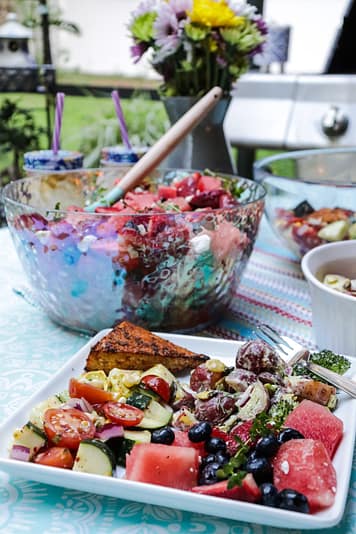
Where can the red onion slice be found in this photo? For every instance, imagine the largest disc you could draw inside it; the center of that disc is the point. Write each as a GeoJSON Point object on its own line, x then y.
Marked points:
{"type": "Point", "coordinates": [80, 404]}
{"type": "Point", "coordinates": [110, 430]}
{"type": "Point", "coordinates": [20, 452]}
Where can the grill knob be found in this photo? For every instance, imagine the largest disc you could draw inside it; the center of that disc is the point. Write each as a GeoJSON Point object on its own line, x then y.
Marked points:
{"type": "Point", "coordinates": [334, 122]}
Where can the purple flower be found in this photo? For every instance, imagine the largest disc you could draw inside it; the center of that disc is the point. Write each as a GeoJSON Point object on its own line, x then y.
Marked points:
{"type": "Point", "coordinates": [181, 7]}
{"type": "Point", "coordinates": [221, 61]}
{"type": "Point", "coordinates": [242, 9]}
{"type": "Point", "coordinates": [146, 6]}
{"type": "Point", "coordinates": [137, 50]}
{"type": "Point", "coordinates": [261, 25]}
{"type": "Point", "coordinates": [167, 32]}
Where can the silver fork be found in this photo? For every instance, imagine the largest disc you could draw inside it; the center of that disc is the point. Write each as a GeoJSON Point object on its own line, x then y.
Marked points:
{"type": "Point", "coordinates": [300, 355]}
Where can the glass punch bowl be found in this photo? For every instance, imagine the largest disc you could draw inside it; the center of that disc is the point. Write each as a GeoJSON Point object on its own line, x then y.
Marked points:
{"type": "Point", "coordinates": [171, 271]}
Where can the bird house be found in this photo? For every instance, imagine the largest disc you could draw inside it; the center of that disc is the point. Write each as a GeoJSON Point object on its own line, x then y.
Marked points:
{"type": "Point", "coordinates": [18, 69]}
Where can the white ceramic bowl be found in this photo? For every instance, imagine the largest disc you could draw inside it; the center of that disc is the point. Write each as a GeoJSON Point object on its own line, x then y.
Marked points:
{"type": "Point", "coordinates": [334, 313]}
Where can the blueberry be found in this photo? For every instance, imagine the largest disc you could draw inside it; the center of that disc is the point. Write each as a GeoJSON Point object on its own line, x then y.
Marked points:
{"type": "Point", "coordinates": [260, 469]}
{"type": "Point", "coordinates": [289, 433]}
{"type": "Point", "coordinates": [269, 495]}
{"type": "Point", "coordinates": [222, 457]}
{"type": "Point", "coordinates": [267, 446]}
{"type": "Point", "coordinates": [208, 459]}
{"type": "Point", "coordinates": [163, 435]}
{"type": "Point", "coordinates": [293, 500]}
{"type": "Point", "coordinates": [215, 444]}
{"type": "Point", "coordinates": [208, 474]}
{"type": "Point", "coordinates": [252, 455]}
{"type": "Point", "coordinates": [304, 208]}
{"type": "Point", "coordinates": [200, 432]}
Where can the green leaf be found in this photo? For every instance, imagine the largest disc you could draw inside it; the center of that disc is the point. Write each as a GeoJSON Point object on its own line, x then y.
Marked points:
{"type": "Point", "coordinates": [196, 33]}
{"type": "Point", "coordinates": [142, 27]}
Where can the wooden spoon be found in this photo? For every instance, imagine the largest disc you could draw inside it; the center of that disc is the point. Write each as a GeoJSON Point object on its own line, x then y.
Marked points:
{"type": "Point", "coordinates": [161, 148]}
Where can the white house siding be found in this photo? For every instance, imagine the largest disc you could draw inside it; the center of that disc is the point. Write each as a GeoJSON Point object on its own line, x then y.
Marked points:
{"type": "Point", "coordinates": [103, 47]}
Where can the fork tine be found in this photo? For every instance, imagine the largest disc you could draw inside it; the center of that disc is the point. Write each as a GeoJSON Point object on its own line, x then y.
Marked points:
{"type": "Point", "coordinates": [268, 339]}
{"type": "Point", "coordinates": [272, 333]}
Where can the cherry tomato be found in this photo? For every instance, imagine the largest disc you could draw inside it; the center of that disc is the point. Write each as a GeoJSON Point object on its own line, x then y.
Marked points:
{"type": "Point", "coordinates": [122, 414]}
{"type": "Point", "coordinates": [67, 427]}
{"type": "Point", "coordinates": [158, 385]}
{"type": "Point", "coordinates": [55, 457]}
{"type": "Point", "coordinates": [91, 393]}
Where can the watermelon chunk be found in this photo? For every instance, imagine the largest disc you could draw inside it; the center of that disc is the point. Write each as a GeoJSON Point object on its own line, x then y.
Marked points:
{"type": "Point", "coordinates": [165, 465]}
{"type": "Point", "coordinates": [248, 491]}
{"type": "Point", "coordinates": [317, 422]}
{"type": "Point", "coordinates": [305, 466]}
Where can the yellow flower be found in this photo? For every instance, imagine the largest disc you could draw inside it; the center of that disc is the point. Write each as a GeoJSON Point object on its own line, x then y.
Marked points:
{"type": "Point", "coordinates": [214, 13]}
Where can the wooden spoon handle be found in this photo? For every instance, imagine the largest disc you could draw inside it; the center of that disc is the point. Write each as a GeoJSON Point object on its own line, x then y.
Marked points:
{"type": "Point", "coordinates": [161, 148]}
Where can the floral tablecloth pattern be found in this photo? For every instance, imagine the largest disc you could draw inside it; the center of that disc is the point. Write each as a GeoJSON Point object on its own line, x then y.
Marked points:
{"type": "Point", "coordinates": [32, 347]}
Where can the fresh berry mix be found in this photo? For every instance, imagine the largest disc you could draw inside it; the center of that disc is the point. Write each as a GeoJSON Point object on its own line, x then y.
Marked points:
{"type": "Point", "coordinates": [166, 257]}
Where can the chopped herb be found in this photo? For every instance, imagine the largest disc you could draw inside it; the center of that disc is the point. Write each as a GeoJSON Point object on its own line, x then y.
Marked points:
{"type": "Point", "coordinates": [328, 359]}
{"type": "Point", "coordinates": [232, 469]}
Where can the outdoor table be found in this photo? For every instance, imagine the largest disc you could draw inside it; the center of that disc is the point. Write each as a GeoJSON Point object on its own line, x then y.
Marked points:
{"type": "Point", "coordinates": [32, 348]}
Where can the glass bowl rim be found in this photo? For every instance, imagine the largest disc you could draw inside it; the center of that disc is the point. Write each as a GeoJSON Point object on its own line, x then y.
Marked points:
{"type": "Point", "coordinates": [296, 155]}
{"type": "Point", "coordinates": [37, 176]}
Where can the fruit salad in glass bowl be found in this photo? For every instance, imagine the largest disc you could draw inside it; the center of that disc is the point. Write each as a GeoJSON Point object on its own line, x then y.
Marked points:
{"type": "Point", "coordinates": [168, 256]}
{"type": "Point", "coordinates": [311, 196]}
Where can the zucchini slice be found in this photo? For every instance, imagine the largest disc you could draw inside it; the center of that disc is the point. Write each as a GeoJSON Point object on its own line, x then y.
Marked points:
{"type": "Point", "coordinates": [94, 456]}
{"type": "Point", "coordinates": [156, 416]}
{"type": "Point", "coordinates": [30, 436]}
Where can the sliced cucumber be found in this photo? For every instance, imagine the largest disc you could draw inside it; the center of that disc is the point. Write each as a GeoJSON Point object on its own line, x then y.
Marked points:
{"type": "Point", "coordinates": [156, 416]}
{"type": "Point", "coordinates": [37, 412]}
{"type": "Point", "coordinates": [138, 436]}
{"type": "Point", "coordinates": [94, 456]}
{"type": "Point", "coordinates": [122, 446]}
{"type": "Point", "coordinates": [30, 436]}
{"type": "Point", "coordinates": [139, 399]}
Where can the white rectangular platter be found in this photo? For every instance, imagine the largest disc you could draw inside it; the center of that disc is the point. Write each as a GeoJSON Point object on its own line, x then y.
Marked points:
{"type": "Point", "coordinates": [183, 500]}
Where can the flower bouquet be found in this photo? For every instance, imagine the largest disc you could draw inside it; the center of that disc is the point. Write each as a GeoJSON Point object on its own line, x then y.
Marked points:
{"type": "Point", "coordinates": [197, 44]}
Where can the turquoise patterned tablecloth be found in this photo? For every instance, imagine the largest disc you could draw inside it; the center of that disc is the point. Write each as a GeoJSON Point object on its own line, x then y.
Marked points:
{"type": "Point", "coordinates": [32, 348]}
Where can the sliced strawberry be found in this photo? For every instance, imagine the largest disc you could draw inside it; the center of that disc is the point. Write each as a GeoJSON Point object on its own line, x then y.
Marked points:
{"type": "Point", "coordinates": [188, 185]}
{"type": "Point", "coordinates": [140, 201]}
{"type": "Point", "coordinates": [178, 202]}
{"type": "Point", "coordinates": [240, 431]}
{"type": "Point", "coordinates": [166, 191]}
{"type": "Point", "coordinates": [209, 183]}
{"type": "Point", "coordinates": [248, 491]}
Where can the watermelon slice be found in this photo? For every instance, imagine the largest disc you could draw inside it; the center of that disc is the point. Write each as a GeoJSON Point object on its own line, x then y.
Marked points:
{"type": "Point", "coordinates": [305, 466]}
{"type": "Point", "coordinates": [317, 422]}
{"type": "Point", "coordinates": [165, 465]}
{"type": "Point", "coordinates": [248, 491]}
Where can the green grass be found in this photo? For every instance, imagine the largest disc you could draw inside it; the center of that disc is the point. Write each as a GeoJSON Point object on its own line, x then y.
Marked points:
{"type": "Point", "coordinates": [89, 123]}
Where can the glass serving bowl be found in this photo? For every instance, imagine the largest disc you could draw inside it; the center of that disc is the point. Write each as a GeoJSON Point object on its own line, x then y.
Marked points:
{"type": "Point", "coordinates": [311, 196]}
{"type": "Point", "coordinates": [172, 271]}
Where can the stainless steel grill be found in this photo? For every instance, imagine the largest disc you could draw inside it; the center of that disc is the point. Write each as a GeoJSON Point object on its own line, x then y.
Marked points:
{"type": "Point", "coordinates": [278, 111]}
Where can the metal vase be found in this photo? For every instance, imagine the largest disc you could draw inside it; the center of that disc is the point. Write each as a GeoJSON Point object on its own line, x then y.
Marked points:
{"type": "Point", "coordinates": [205, 147]}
